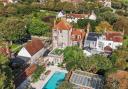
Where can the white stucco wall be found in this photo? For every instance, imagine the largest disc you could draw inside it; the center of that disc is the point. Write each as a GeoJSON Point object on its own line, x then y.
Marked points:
{"type": "Point", "coordinates": [23, 52]}
{"type": "Point", "coordinates": [37, 55]}
{"type": "Point", "coordinates": [62, 38]}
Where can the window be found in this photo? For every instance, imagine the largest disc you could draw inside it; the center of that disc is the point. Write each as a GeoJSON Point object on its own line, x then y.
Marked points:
{"type": "Point", "coordinates": [100, 45]}
{"type": "Point", "coordinates": [60, 31]}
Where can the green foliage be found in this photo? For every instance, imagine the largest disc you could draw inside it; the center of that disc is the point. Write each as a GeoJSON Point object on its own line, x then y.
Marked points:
{"type": "Point", "coordinates": [72, 57]}
{"type": "Point", "coordinates": [38, 27]}
{"type": "Point", "coordinates": [36, 75]}
{"type": "Point", "coordinates": [121, 25]}
{"type": "Point", "coordinates": [5, 74]}
{"type": "Point", "coordinates": [96, 63]}
{"type": "Point", "coordinates": [109, 17]}
{"type": "Point", "coordinates": [65, 85]}
{"type": "Point", "coordinates": [82, 23]}
{"type": "Point", "coordinates": [13, 29]}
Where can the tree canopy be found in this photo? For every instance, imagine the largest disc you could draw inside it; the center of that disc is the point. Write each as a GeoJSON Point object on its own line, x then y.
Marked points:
{"type": "Point", "coordinates": [5, 74]}
{"type": "Point", "coordinates": [12, 29]}
{"type": "Point", "coordinates": [38, 27]}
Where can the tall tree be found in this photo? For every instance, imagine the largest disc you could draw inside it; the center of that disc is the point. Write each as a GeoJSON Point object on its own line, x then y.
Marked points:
{"type": "Point", "coordinates": [72, 57]}
{"type": "Point", "coordinates": [121, 25]}
{"type": "Point", "coordinates": [103, 27]}
{"type": "Point", "coordinates": [12, 29]}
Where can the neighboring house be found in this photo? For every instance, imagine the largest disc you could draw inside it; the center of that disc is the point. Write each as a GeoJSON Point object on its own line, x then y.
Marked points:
{"type": "Point", "coordinates": [105, 43]}
{"type": "Point", "coordinates": [5, 2]}
{"type": "Point", "coordinates": [91, 40]}
{"type": "Point", "coordinates": [23, 80]}
{"type": "Point", "coordinates": [116, 37]}
{"type": "Point", "coordinates": [63, 35]}
{"type": "Point", "coordinates": [5, 51]}
{"type": "Point", "coordinates": [60, 14]}
{"type": "Point", "coordinates": [72, 1]}
{"type": "Point", "coordinates": [77, 36]}
{"type": "Point", "coordinates": [33, 50]}
{"type": "Point", "coordinates": [92, 16]}
{"type": "Point", "coordinates": [75, 17]}
{"type": "Point", "coordinates": [105, 3]}
{"type": "Point", "coordinates": [86, 80]}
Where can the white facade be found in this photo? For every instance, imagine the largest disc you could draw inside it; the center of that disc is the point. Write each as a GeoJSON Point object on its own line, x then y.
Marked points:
{"type": "Point", "coordinates": [92, 16]}
{"type": "Point", "coordinates": [61, 38]}
{"type": "Point", "coordinates": [24, 53]}
{"type": "Point", "coordinates": [75, 19]}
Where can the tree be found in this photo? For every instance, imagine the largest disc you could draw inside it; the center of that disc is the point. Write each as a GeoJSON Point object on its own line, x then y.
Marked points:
{"type": "Point", "coordinates": [96, 64]}
{"type": "Point", "coordinates": [5, 74]}
{"type": "Point", "coordinates": [37, 73]}
{"type": "Point", "coordinates": [109, 17]}
{"type": "Point", "coordinates": [103, 27]}
{"type": "Point", "coordinates": [12, 29]}
{"type": "Point", "coordinates": [38, 27]}
{"type": "Point", "coordinates": [121, 25]}
{"type": "Point", "coordinates": [82, 23]}
{"type": "Point", "coordinates": [65, 85]}
{"type": "Point", "coordinates": [69, 7]}
{"type": "Point", "coordinates": [72, 57]}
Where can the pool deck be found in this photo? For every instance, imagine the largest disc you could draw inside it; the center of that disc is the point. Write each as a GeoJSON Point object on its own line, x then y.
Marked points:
{"type": "Point", "coordinates": [41, 83]}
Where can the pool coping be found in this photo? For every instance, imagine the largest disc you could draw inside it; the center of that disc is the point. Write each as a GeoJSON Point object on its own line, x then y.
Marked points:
{"type": "Point", "coordinates": [42, 83]}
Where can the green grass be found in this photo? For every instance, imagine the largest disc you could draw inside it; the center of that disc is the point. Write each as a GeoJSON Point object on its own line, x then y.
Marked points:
{"type": "Point", "coordinates": [15, 47]}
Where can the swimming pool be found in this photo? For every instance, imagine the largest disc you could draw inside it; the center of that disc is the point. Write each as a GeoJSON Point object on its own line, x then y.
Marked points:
{"type": "Point", "coordinates": [55, 80]}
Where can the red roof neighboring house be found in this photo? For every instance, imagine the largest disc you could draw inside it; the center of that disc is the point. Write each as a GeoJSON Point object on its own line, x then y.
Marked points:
{"type": "Point", "coordinates": [5, 51]}
{"type": "Point", "coordinates": [63, 25]}
{"type": "Point", "coordinates": [77, 15]}
{"type": "Point", "coordinates": [72, 1]}
{"type": "Point", "coordinates": [114, 36]}
{"type": "Point", "coordinates": [34, 46]}
{"type": "Point", "coordinates": [78, 34]}
{"type": "Point", "coordinates": [25, 74]}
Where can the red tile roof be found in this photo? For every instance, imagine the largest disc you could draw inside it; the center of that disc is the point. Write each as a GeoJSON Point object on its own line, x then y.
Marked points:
{"type": "Point", "coordinates": [114, 36]}
{"type": "Point", "coordinates": [34, 46]}
{"type": "Point", "coordinates": [4, 51]}
{"type": "Point", "coordinates": [73, 1]}
{"type": "Point", "coordinates": [25, 74]}
{"type": "Point", "coordinates": [63, 25]}
{"type": "Point", "coordinates": [77, 15]}
{"type": "Point", "coordinates": [78, 32]}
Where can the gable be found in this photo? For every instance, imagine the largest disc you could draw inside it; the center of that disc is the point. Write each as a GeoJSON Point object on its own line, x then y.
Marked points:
{"type": "Point", "coordinates": [34, 46]}
{"type": "Point", "coordinates": [24, 53]}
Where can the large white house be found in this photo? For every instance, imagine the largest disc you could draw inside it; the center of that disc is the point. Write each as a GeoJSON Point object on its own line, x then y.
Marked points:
{"type": "Point", "coordinates": [33, 50]}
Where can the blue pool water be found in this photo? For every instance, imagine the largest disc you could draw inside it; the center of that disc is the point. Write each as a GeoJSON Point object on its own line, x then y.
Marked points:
{"type": "Point", "coordinates": [55, 80]}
